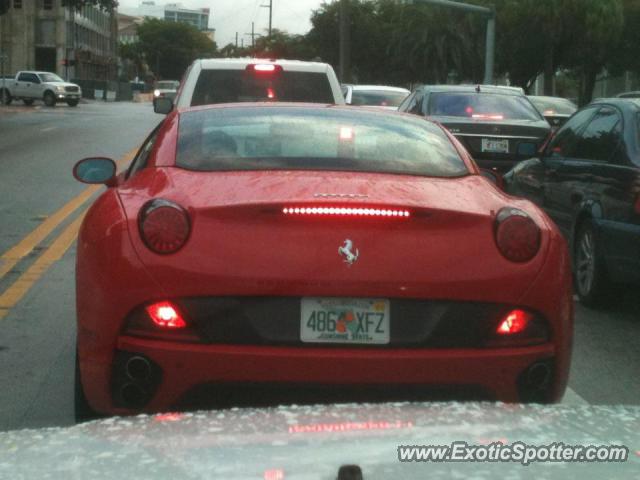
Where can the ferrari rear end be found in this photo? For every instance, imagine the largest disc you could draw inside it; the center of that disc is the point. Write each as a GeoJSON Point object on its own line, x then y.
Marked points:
{"type": "Point", "coordinates": [319, 249]}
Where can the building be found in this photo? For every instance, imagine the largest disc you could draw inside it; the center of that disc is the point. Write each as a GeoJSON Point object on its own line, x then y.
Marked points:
{"type": "Point", "coordinates": [128, 28]}
{"type": "Point", "coordinates": [173, 12]}
{"type": "Point", "coordinates": [44, 35]}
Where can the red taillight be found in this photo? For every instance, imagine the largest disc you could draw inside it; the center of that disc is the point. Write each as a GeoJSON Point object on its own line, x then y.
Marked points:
{"type": "Point", "coordinates": [164, 226]}
{"type": "Point", "coordinates": [515, 321]}
{"type": "Point", "coordinates": [264, 68]}
{"type": "Point", "coordinates": [347, 211]}
{"type": "Point", "coordinates": [517, 235]}
{"type": "Point", "coordinates": [166, 315]}
{"type": "Point", "coordinates": [270, 93]}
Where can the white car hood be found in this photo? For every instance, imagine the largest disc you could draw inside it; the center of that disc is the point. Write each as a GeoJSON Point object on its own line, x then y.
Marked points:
{"type": "Point", "coordinates": [313, 442]}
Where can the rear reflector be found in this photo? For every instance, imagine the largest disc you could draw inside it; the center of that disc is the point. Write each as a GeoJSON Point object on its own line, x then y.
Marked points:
{"type": "Point", "coordinates": [517, 235]}
{"type": "Point", "coordinates": [515, 321]}
{"type": "Point", "coordinates": [347, 212]}
{"type": "Point", "coordinates": [165, 315]}
{"type": "Point", "coordinates": [164, 226]}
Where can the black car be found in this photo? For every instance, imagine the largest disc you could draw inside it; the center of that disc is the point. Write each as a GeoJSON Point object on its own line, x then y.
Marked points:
{"type": "Point", "coordinates": [498, 125]}
{"type": "Point", "coordinates": [588, 180]}
{"type": "Point", "coordinates": [556, 110]}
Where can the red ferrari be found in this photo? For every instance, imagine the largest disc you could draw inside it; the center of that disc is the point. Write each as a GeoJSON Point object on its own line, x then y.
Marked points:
{"type": "Point", "coordinates": [315, 247]}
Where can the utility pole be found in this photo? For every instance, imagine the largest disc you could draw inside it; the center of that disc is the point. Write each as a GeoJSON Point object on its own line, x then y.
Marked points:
{"type": "Point", "coordinates": [253, 35]}
{"type": "Point", "coordinates": [345, 42]}
{"type": "Point", "coordinates": [490, 14]}
{"type": "Point", "coordinates": [236, 39]}
{"type": "Point", "coordinates": [4, 7]}
{"type": "Point", "coordinates": [270, 7]}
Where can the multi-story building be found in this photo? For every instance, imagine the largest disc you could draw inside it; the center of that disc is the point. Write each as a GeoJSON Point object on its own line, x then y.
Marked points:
{"type": "Point", "coordinates": [44, 35]}
{"type": "Point", "coordinates": [173, 12]}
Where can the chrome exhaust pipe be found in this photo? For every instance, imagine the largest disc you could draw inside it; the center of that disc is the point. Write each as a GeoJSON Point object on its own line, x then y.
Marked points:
{"type": "Point", "coordinates": [138, 368]}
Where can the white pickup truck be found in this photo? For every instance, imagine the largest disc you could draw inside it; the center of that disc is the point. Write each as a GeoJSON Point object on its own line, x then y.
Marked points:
{"type": "Point", "coordinates": [48, 87]}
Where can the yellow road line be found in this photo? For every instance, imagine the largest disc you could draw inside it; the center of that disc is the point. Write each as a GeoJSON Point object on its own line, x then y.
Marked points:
{"type": "Point", "coordinates": [51, 255]}
{"type": "Point", "coordinates": [11, 257]}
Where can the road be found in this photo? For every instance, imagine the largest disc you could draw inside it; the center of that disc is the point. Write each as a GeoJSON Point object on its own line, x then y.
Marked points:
{"type": "Point", "coordinates": [40, 208]}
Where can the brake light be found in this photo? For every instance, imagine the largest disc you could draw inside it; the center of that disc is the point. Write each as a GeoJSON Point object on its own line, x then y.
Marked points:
{"type": "Point", "coordinates": [517, 235]}
{"type": "Point", "coordinates": [164, 226]}
{"type": "Point", "coordinates": [515, 321]}
{"type": "Point", "coordinates": [346, 133]}
{"type": "Point", "coordinates": [165, 315]}
{"type": "Point", "coordinates": [548, 112]}
{"type": "Point", "coordinates": [270, 93]}
{"type": "Point", "coordinates": [264, 68]}
{"type": "Point", "coordinates": [347, 212]}
{"type": "Point", "coordinates": [486, 116]}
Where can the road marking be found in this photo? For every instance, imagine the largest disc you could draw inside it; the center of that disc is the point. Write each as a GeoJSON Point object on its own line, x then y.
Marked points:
{"type": "Point", "coordinates": [572, 398]}
{"type": "Point", "coordinates": [51, 255]}
{"type": "Point", "coordinates": [48, 129]}
{"type": "Point", "coordinates": [11, 257]}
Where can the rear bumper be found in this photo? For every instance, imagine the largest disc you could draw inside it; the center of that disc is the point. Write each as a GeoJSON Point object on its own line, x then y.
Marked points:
{"type": "Point", "coordinates": [183, 367]}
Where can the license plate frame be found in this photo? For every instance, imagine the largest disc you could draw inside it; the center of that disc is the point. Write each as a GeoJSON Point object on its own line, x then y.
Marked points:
{"type": "Point", "coordinates": [365, 321]}
{"type": "Point", "coordinates": [495, 145]}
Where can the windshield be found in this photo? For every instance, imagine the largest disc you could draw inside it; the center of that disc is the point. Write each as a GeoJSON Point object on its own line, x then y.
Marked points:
{"type": "Point", "coordinates": [230, 86]}
{"type": "Point", "coordinates": [379, 98]}
{"type": "Point", "coordinates": [482, 106]}
{"type": "Point", "coordinates": [313, 139]}
{"type": "Point", "coordinates": [50, 77]}
{"type": "Point", "coordinates": [549, 105]}
{"type": "Point", "coordinates": [167, 85]}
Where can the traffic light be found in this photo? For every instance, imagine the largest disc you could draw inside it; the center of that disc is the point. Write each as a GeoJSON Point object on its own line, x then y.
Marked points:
{"type": "Point", "coordinates": [4, 6]}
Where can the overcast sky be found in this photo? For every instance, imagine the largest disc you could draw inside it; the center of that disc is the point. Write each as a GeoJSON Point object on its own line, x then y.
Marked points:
{"type": "Point", "coordinates": [231, 16]}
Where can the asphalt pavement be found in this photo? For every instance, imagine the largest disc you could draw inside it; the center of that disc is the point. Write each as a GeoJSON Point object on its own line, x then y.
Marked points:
{"type": "Point", "coordinates": [41, 206]}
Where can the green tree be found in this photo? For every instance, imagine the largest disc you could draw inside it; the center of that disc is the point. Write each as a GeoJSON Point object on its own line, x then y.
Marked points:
{"type": "Point", "coordinates": [281, 44]}
{"type": "Point", "coordinates": [170, 47]}
{"type": "Point", "coordinates": [134, 56]}
{"type": "Point", "coordinates": [624, 57]}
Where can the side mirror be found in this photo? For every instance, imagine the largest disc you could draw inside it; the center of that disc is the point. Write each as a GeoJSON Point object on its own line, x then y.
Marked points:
{"type": "Point", "coordinates": [95, 170]}
{"type": "Point", "coordinates": [162, 105]}
{"type": "Point", "coordinates": [494, 177]}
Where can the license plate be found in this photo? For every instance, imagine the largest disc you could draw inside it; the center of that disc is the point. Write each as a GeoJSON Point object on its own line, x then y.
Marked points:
{"type": "Point", "coordinates": [345, 320]}
{"type": "Point", "coordinates": [495, 146]}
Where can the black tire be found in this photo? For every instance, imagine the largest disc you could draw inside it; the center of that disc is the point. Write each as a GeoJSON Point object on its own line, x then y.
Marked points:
{"type": "Point", "coordinates": [82, 410]}
{"type": "Point", "coordinates": [591, 280]}
{"type": "Point", "coordinates": [5, 97]}
{"type": "Point", "coordinates": [28, 101]}
{"type": "Point", "coordinates": [49, 99]}
{"type": "Point", "coordinates": [73, 103]}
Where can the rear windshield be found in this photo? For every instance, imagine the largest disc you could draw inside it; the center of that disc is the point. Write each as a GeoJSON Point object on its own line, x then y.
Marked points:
{"type": "Point", "coordinates": [549, 106]}
{"type": "Point", "coordinates": [167, 85]}
{"type": "Point", "coordinates": [289, 138]}
{"type": "Point", "coordinates": [378, 98]}
{"type": "Point", "coordinates": [482, 106]}
{"type": "Point", "coordinates": [231, 86]}
{"type": "Point", "coordinates": [50, 77]}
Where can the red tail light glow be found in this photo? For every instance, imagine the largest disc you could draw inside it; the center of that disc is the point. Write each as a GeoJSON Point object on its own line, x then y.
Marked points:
{"type": "Point", "coordinates": [516, 321]}
{"type": "Point", "coordinates": [265, 68]}
{"type": "Point", "coordinates": [164, 226]}
{"type": "Point", "coordinates": [346, 133]}
{"type": "Point", "coordinates": [347, 212]}
{"type": "Point", "coordinates": [270, 93]}
{"type": "Point", "coordinates": [517, 235]}
{"type": "Point", "coordinates": [166, 315]}
{"type": "Point", "coordinates": [274, 474]}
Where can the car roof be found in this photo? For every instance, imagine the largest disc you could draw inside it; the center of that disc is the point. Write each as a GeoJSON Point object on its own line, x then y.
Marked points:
{"type": "Point", "coordinates": [241, 64]}
{"type": "Point", "coordinates": [499, 89]}
{"type": "Point", "coordinates": [379, 88]}
{"type": "Point", "coordinates": [618, 102]}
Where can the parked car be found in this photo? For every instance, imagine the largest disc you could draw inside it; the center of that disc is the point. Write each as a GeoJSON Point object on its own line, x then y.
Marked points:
{"type": "Point", "coordinates": [374, 96]}
{"type": "Point", "coordinates": [30, 86]}
{"type": "Point", "coordinates": [166, 88]}
{"type": "Point", "coordinates": [498, 125]}
{"type": "Point", "coordinates": [629, 95]}
{"type": "Point", "coordinates": [588, 180]}
{"type": "Point", "coordinates": [287, 244]}
{"type": "Point", "coordinates": [231, 80]}
{"type": "Point", "coordinates": [556, 110]}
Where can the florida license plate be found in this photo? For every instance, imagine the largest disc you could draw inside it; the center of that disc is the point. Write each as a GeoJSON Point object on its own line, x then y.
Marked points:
{"type": "Point", "coordinates": [345, 320]}
{"type": "Point", "coordinates": [495, 146]}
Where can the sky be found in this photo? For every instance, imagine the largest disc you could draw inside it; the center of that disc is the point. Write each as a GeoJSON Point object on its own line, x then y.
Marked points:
{"type": "Point", "coordinates": [231, 16]}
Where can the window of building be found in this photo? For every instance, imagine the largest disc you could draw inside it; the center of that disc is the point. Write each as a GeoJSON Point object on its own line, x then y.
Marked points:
{"type": "Point", "coordinates": [17, 4]}
{"type": "Point", "coordinates": [47, 4]}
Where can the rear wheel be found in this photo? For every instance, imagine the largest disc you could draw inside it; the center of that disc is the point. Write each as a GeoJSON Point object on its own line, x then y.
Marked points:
{"type": "Point", "coordinates": [5, 97]}
{"type": "Point", "coordinates": [82, 410]}
{"type": "Point", "coordinates": [73, 103]}
{"type": "Point", "coordinates": [592, 282]}
{"type": "Point", "coordinates": [49, 99]}
{"type": "Point", "coordinates": [28, 101]}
